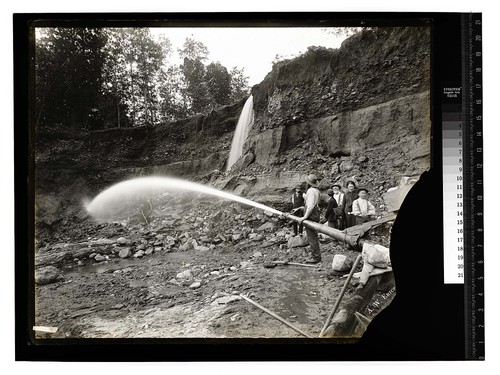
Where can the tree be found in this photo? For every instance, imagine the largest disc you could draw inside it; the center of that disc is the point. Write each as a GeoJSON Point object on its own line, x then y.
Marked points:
{"type": "Point", "coordinates": [194, 54]}
{"type": "Point", "coordinates": [132, 73]}
{"type": "Point", "coordinates": [218, 82]}
{"type": "Point", "coordinates": [68, 66]}
{"type": "Point", "coordinates": [174, 103]}
{"type": "Point", "coordinates": [239, 84]}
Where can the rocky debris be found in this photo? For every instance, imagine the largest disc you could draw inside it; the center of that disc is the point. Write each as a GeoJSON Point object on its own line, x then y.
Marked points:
{"type": "Point", "coordinates": [341, 263]}
{"type": "Point", "coordinates": [46, 275]}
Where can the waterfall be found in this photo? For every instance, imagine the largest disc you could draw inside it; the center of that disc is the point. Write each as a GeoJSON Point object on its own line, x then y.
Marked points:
{"type": "Point", "coordinates": [245, 122]}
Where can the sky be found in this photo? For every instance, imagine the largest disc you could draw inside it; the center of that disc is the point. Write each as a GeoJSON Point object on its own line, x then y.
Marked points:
{"type": "Point", "coordinates": [252, 49]}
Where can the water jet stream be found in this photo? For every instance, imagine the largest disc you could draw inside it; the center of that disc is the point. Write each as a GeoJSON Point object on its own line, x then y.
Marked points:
{"type": "Point", "coordinates": [155, 184]}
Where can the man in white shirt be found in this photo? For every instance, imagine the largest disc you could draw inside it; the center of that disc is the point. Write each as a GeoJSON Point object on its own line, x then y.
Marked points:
{"type": "Point", "coordinates": [362, 208]}
{"type": "Point", "coordinates": [312, 198]}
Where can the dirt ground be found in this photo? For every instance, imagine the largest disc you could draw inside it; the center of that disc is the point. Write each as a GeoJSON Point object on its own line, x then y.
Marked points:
{"type": "Point", "coordinates": [177, 291]}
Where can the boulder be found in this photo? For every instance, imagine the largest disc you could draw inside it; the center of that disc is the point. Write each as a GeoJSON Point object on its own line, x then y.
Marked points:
{"type": "Point", "coordinates": [122, 241]}
{"type": "Point", "coordinates": [195, 285]}
{"type": "Point", "coordinates": [149, 251]}
{"type": "Point", "coordinates": [125, 253]}
{"type": "Point", "coordinates": [46, 275]}
{"type": "Point", "coordinates": [139, 254]}
{"type": "Point", "coordinates": [346, 166]}
{"type": "Point", "coordinates": [376, 255]}
{"type": "Point", "coordinates": [185, 246]}
{"type": "Point", "coordinates": [104, 241]}
{"type": "Point", "coordinates": [396, 195]}
{"type": "Point", "coordinates": [184, 275]}
{"type": "Point", "coordinates": [236, 237]}
{"type": "Point", "coordinates": [297, 241]}
{"type": "Point", "coordinates": [205, 239]}
{"type": "Point", "coordinates": [341, 263]}
{"type": "Point", "coordinates": [99, 258]}
{"type": "Point", "coordinates": [256, 237]}
{"type": "Point", "coordinates": [324, 184]}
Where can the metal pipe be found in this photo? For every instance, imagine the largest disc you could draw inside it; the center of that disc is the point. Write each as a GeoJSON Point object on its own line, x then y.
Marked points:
{"type": "Point", "coordinates": [339, 298]}
{"type": "Point", "coordinates": [349, 239]}
{"type": "Point", "coordinates": [275, 316]}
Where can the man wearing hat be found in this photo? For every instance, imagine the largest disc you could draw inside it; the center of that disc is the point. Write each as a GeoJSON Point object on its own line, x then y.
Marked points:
{"type": "Point", "coordinates": [312, 198]}
{"type": "Point", "coordinates": [362, 208]}
{"type": "Point", "coordinates": [350, 196]}
{"type": "Point", "coordinates": [331, 216]}
{"type": "Point", "coordinates": [339, 211]}
{"type": "Point", "coordinates": [298, 207]}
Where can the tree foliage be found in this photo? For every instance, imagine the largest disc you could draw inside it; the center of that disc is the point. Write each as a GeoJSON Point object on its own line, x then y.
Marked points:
{"type": "Point", "coordinates": [68, 74]}
{"type": "Point", "coordinates": [121, 77]}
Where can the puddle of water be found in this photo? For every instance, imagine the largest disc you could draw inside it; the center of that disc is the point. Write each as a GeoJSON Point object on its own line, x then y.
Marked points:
{"type": "Point", "coordinates": [117, 264]}
{"type": "Point", "coordinates": [101, 267]}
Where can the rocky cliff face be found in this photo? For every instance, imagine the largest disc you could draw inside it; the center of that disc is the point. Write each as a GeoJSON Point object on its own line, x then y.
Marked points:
{"type": "Point", "coordinates": [370, 68]}
{"type": "Point", "coordinates": [361, 110]}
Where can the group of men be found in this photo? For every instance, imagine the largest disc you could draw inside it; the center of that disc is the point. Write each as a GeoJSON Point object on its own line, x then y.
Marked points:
{"type": "Point", "coordinates": [344, 210]}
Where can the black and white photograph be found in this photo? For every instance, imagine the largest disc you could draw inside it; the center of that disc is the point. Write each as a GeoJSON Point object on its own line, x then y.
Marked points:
{"type": "Point", "coordinates": [222, 181]}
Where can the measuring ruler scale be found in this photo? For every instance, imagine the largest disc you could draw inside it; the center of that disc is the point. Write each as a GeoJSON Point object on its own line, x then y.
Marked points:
{"type": "Point", "coordinates": [453, 183]}
{"type": "Point", "coordinates": [463, 184]}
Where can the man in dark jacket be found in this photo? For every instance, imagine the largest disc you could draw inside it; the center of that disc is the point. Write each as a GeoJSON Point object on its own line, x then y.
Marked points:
{"type": "Point", "coordinates": [331, 216]}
